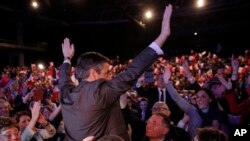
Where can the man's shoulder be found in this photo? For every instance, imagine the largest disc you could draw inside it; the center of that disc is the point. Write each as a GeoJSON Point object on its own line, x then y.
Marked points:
{"type": "Point", "coordinates": [179, 132]}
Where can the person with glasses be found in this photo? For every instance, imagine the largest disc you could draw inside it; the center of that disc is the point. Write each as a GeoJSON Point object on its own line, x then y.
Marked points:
{"type": "Point", "coordinates": [9, 130]}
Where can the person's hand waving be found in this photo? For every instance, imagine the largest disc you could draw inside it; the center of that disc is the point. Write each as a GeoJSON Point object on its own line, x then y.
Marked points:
{"type": "Point", "coordinates": [165, 28]}
{"type": "Point", "coordinates": [235, 64]}
{"type": "Point", "coordinates": [167, 74]}
{"type": "Point", "coordinates": [68, 49]}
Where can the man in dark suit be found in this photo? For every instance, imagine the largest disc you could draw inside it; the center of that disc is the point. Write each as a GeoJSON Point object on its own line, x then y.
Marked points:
{"type": "Point", "coordinates": [92, 108]}
{"type": "Point", "coordinates": [158, 93]}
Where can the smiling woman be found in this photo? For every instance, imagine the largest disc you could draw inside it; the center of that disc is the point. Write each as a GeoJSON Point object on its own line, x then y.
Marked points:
{"type": "Point", "coordinates": [9, 130]}
{"type": "Point", "coordinates": [205, 114]}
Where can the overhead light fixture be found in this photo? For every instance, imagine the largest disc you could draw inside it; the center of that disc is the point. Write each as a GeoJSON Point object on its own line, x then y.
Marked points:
{"type": "Point", "coordinates": [34, 4]}
{"type": "Point", "coordinates": [148, 14]}
{"type": "Point", "coordinates": [200, 3]}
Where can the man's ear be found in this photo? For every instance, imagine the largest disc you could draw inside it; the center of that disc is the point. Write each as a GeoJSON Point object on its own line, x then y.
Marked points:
{"type": "Point", "coordinates": [92, 75]}
{"type": "Point", "coordinates": [165, 130]}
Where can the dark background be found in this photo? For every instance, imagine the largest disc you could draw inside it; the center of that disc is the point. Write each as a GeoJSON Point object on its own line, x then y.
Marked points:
{"type": "Point", "coordinates": [112, 27]}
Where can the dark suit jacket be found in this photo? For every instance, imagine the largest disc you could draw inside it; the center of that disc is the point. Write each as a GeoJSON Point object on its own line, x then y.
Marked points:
{"type": "Point", "coordinates": [92, 108]}
{"type": "Point", "coordinates": [177, 134]}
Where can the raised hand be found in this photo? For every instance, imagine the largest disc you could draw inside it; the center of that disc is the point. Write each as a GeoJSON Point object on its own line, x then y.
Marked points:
{"type": "Point", "coordinates": [235, 64]}
{"type": "Point", "coordinates": [185, 66]}
{"type": "Point", "coordinates": [187, 72]}
{"type": "Point", "coordinates": [165, 28]}
{"type": "Point", "coordinates": [167, 74]}
{"type": "Point", "coordinates": [35, 111]}
{"type": "Point", "coordinates": [68, 49]}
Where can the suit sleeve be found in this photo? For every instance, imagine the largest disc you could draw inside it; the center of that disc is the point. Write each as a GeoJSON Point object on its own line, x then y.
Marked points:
{"type": "Point", "coordinates": [65, 83]}
{"type": "Point", "coordinates": [125, 80]}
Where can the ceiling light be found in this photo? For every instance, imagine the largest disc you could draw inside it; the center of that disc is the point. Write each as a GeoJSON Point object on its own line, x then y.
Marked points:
{"type": "Point", "coordinates": [200, 3]}
{"type": "Point", "coordinates": [148, 14]}
{"type": "Point", "coordinates": [34, 4]}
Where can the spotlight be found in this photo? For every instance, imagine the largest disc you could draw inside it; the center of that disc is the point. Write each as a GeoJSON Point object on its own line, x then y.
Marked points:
{"type": "Point", "coordinates": [34, 4]}
{"type": "Point", "coordinates": [40, 66]}
{"type": "Point", "coordinates": [200, 3]}
{"type": "Point", "coordinates": [148, 14]}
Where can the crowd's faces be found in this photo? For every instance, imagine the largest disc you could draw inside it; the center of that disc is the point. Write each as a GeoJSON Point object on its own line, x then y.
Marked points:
{"type": "Point", "coordinates": [10, 134]}
{"type": "Point", "coordinates": [23, 122]}
{"type": "Point", "coordinates": [14, 87]}
{"type": "Point", "coordinates": [220, 71]}
{"type": "Point", "coordinates": [160, 81]}
{"type": "Point", "coordinates": [202, 99]}
{"type": "Point", "coordinates": [143, 105]}
{"type": "Point", "coordinates": [155, 127]}
{"type": "Point", "coordinates": [218, 90]}
{"type": "Point", "coordinates": [4, 108]}
{"type": "Point", "coordinates": [46, 113]}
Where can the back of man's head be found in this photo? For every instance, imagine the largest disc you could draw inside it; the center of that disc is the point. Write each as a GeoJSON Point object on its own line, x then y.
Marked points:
{"type": "Point", "coordinates": [87, 61]}
{"type": "Point", "coordinates": [210, 134]}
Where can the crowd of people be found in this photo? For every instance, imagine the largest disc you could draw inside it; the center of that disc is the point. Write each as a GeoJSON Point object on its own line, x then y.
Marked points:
{"type": "Point", "coordinates": [198, 96]}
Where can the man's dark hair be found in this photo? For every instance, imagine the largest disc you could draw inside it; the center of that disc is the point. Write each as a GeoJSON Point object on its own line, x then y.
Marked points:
{"type": "Point", "coordinates": [87, 61]}
{"type": "Point", "coordinates": [143, 99]}
{"type": "Point", "coordinates": [6, 122]}
{"type": "Point", "coordinates": [211, 82]}
{"type": "Point", "coordinates": [165, 120]}
{"type": "Point", "coordinates": [211, 134]}
{"type": "Point", "coordinates": [17, 115]}
{"type": "Point", "coordinates": [213, 102]}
